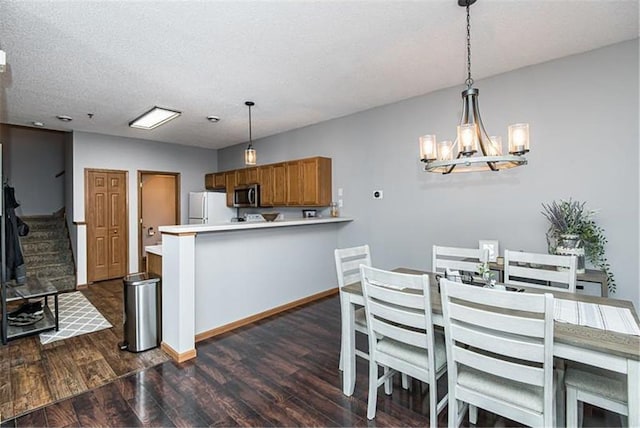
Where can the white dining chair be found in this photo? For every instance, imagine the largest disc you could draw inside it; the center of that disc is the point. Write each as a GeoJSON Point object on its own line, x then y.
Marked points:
{"type": "Point", "coordinates": [348, 261]}
{"type": "Point", "coordinates": [596, 386]}
{"type": "Point", "coordinates": [540, 270]}
{"type": "Point", "coordinates": [401, 334]}
{"type": "Point", "coordinates": [462, 260]}
{"type": "Point", "coordinates": [499, 353]}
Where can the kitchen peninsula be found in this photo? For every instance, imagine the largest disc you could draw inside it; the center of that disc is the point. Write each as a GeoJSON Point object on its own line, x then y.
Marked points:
{"type": "Point", "coordinates": [219, 277]}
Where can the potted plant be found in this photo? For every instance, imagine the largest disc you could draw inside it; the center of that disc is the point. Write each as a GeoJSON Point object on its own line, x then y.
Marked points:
{"type": "Point", "coordinates": [573, 231]}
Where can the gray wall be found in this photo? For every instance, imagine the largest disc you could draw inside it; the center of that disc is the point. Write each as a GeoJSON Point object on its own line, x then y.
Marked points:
{"type": "Point", "coordinates": [34, 157]}
{"type": "Point", "coordinates": [108, 152]}
{"type": "Point", "coordinates": [583, 113]}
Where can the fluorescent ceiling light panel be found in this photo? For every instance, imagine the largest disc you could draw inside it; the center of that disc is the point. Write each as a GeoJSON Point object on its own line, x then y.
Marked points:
{"type": "Point", "coordinates": [154, 118]}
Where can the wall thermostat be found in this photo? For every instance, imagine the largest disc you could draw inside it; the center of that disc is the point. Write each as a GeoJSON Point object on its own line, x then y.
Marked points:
{"type": "Point", "coordinates": [378, 194]}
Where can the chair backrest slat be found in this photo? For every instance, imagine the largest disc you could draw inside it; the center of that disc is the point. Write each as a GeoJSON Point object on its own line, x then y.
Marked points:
{"type": "Point", "coordinates": [503, 322]}
{"type": "Point", "coordinates": [385, 329]}
{"type": "Point", "coordinates": [454, 258]}
{"type": "Point", "coordinates": [540, 270]}
{"type": "Point", "coordinates": [512, 346]}
{"type": "Point", "coordinates": [348, 261]}
{"type": "Point", "coordinates": [398, 315]}
{"type": "Point", "coordinates": [396, 296]}
{"type": "Point", "coordinates": [525, 302]}
{"type": "Point", "coordinates": [497, 367]}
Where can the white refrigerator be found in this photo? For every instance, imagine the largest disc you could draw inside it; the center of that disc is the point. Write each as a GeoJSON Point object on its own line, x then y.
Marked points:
{"type": "Point", "coordinates": [208, 208]}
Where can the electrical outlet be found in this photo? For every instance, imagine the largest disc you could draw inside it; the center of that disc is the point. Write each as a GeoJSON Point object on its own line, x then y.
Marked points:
{"type": "Point", "coordinates": [339, 203]}
{"type": "Point", "coordinates": [378, 194]}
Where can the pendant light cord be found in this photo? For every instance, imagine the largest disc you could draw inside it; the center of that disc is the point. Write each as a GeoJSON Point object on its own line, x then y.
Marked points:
{"type": "Point", "coordinates": [250, 140]}
{"type": "Point", "coordinates": [469, 80]}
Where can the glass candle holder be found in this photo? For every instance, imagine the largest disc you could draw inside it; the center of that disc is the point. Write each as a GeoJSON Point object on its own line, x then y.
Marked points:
{"type": "Point", "coordinates": [519, 138]}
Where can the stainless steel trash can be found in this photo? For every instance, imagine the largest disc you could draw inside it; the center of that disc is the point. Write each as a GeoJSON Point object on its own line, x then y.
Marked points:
{"type": "Point", "coordinates": [142, 312]}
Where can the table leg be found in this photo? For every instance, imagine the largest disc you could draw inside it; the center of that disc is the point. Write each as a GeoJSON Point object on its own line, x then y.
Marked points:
{"type": "Point", "coordinates": [347, 312]}
{"type": "Point", "coordinates": [633, 392]}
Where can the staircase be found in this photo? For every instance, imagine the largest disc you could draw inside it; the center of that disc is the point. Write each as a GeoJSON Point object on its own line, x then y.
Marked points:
{"type": "Point", "coordinates": [47, 251]}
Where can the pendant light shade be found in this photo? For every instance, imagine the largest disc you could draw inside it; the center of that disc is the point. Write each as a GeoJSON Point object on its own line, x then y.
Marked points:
{"type": "Point", "coordinates": [250, 156]}
{"type": "Point", "coordinates": [473, 149]}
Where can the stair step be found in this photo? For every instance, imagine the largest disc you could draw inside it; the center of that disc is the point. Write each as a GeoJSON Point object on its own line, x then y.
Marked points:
{"type": "Point", "coordinates": [47, 258]}
{"type": "Point", "coordinates": [46, 234]}
{"type": "Point", "coordinates": [43, 222]}
{"type": "Point", "coordinates": [51, 271]}
{"type": "Point", "coordinates": [45, 246]}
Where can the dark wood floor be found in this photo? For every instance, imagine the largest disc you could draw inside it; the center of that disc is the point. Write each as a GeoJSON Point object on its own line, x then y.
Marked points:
{"type": "Point", "coordinates": [33, 375]}
{"type": "Point", "coordinates": [282, 371]}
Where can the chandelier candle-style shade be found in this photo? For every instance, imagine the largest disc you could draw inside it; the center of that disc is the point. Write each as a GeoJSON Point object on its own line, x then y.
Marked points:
{"type": "Point", "coordinates": [473, 149]}
{"type": "Point", "coordinates": [250, 156]}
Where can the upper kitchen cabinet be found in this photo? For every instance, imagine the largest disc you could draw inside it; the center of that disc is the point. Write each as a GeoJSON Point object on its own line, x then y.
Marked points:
{"type": "Point", "coordinates": [246, 176]}
{"type": "Point", "coordinates": [309, 182]}
{"type": "Point", "coordinates": [230, 185]}
{"type": "Point", "coordinates": [302, 182]}
{"type": "Point", "coordinates": [215, 181]}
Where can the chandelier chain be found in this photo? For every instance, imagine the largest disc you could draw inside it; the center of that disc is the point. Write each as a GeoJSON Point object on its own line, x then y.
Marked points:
{"type": "Point", "coordinates": [469, 80]}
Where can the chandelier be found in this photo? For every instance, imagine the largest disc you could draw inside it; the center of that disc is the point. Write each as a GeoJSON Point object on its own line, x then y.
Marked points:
{"type": "Point", "coordinates": [473, 149]}
{"type": "Point", "coordinates": [250, 156]}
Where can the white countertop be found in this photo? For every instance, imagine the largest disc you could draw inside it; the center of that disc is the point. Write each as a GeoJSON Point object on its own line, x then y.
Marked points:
{"type": "Point", "coordinates": [223, 227]}
{"type": "Point", "coordinates": [154, 249]}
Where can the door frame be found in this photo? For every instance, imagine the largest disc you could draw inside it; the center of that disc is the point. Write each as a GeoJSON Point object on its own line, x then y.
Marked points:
{"type": "Point", "coordinates": [142, 173]}
{"type": "Point", "coordinates": [90, 280]}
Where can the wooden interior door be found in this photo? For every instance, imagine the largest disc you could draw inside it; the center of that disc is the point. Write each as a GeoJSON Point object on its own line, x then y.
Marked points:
{"type": "Point", "coordinates": [107, 233]}
{"type": "Point", "coordinates": [158, 205]}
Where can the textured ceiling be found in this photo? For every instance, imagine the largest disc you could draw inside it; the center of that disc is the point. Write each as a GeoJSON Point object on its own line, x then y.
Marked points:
{"type": "Point", "coordinates": [302, 62]}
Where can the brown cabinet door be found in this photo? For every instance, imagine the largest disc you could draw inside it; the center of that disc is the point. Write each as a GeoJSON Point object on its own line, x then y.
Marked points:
{"type": "Point", "coordinates": [265, 180]}
{"type": "Point", "coordinates": [106, 214]}
{"type": "Point", "coordinates": [208, 181]}
{"type": "Point", "coordinates": [219, 180]}
{"type": "Point", "coordinates": [230, 182]}
{"type": "Point", "coordinates": [246, 176]}
{"type": "Point", "coordinates": [294, 183]}
{"type": "Point", "coordinates": [316, 181]}
{"type": "Point", "coordinates": [279, 184]}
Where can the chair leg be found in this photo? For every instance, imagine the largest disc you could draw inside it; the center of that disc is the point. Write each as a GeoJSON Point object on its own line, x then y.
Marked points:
{"type": "Point", "coordinates": [388, 384]}
{"type": "Point", "coordinates": [405, 381]}
{"type": "Point", "coordinates": [473, 414]}
{"type": "Point", "coordinates": [572, 408]}
{"type": "Point", "coordinates": [433, 405]}
{"type": "Point", "coordinates": [373, 390]}
{"type": "Point", "coordinates": [341, 363]}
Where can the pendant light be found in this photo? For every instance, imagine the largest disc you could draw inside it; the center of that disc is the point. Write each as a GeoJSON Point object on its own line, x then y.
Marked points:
{"type": "Point", "coordinates": [473, 149]}
{"type": "Point", "coordinates": [250, 157]}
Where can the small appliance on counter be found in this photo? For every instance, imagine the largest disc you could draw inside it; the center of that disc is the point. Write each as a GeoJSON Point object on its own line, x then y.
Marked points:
{"type": "Point", "coordinates": [253, 217]}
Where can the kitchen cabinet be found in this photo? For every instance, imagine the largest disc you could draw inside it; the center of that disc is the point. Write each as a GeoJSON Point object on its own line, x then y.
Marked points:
{"type": "Point", "coordinates": [302, 182]}
{"type": "Point", "coordinates": [265, 179]}
{"type": "Point", "coordinates": [215, 181]}
{"type": "Point", "coordinates": [246, 176]}
{"type": "Point", "coordinates": [230, 184]}
{"type": "Point", "coordinates": [294, 185]}
{"type": "Point", "coordinates": [309, 182]}
{"type": "Point", "coordinates": [279, 184]}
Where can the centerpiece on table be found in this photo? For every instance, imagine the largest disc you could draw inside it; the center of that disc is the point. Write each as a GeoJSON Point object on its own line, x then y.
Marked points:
{"type": "Point", "coordinates": [573, 231]}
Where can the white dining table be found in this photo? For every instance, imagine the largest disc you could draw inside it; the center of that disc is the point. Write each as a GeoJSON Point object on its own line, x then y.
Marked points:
{"type": "Point", "coordinates": [613, 351]}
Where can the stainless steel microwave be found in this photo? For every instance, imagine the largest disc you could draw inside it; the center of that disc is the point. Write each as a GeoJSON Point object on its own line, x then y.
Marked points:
{"type": "Point", "coordinates": [247, 196]}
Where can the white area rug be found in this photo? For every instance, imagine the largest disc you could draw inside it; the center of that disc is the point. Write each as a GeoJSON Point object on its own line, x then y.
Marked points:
{"type": "Point", "coordinates": [77, 316]}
